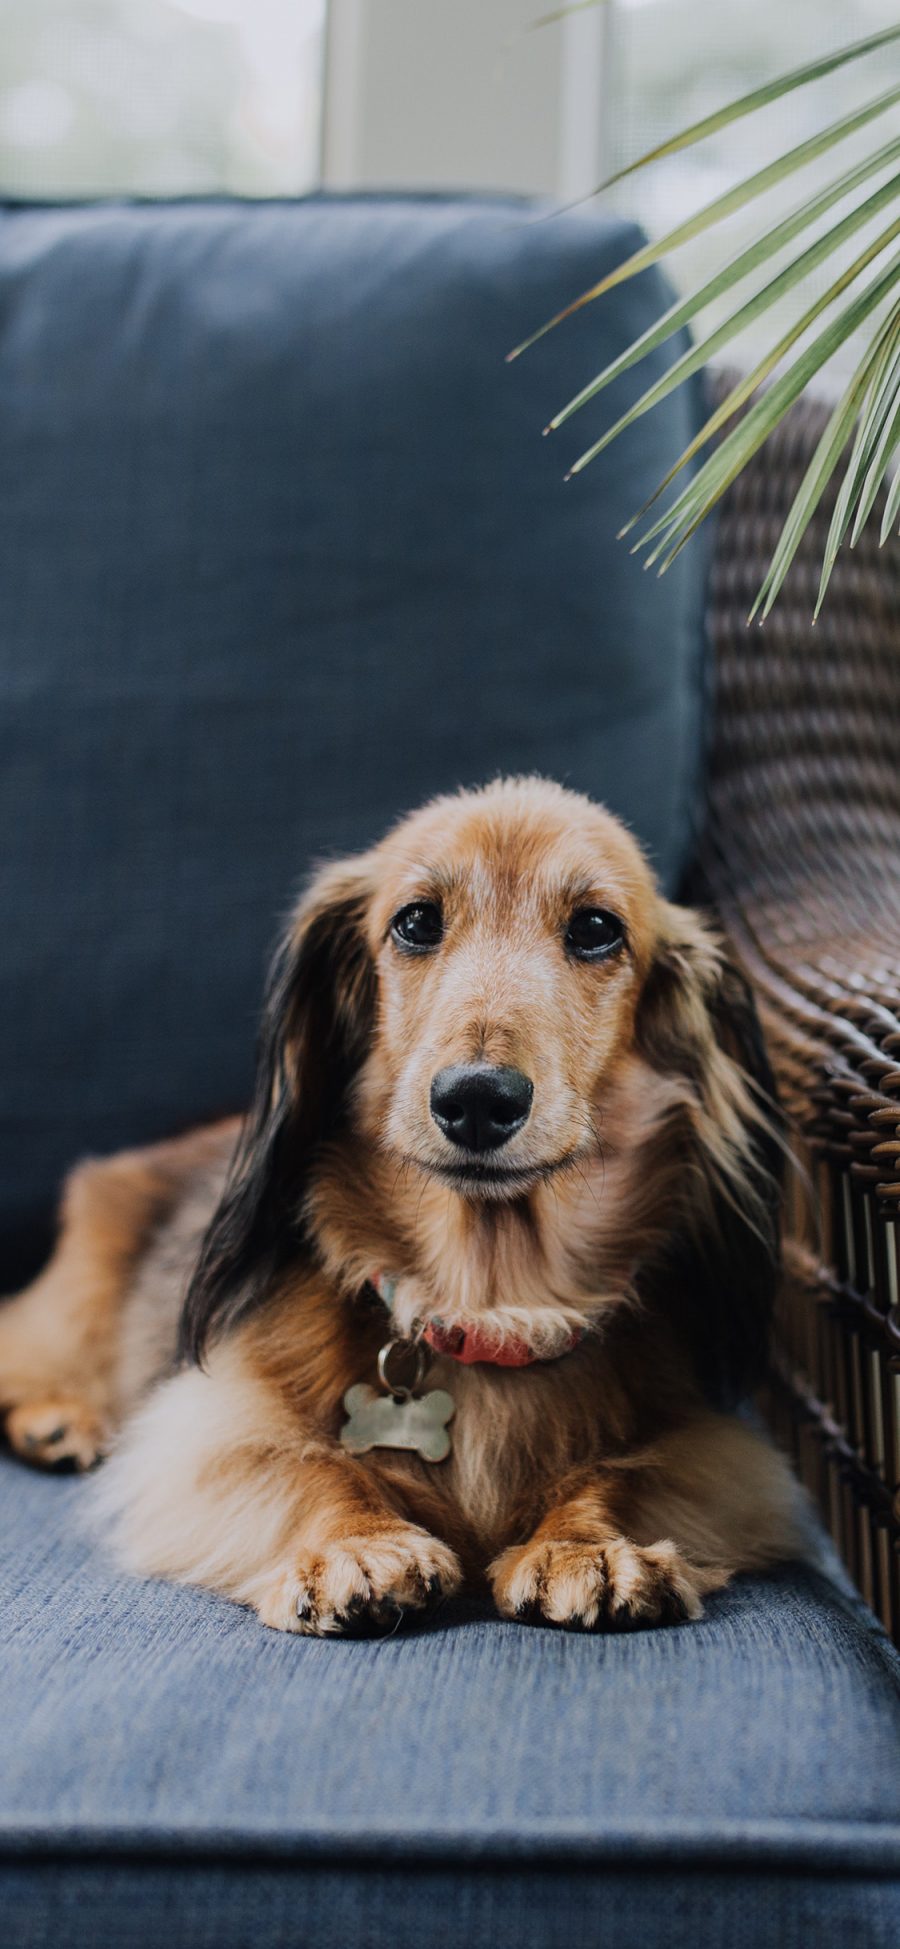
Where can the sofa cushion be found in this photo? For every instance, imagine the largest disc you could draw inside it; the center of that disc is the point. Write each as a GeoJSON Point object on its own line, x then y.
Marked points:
{"type": "Point", "coordinates": [174, 1773]}
{"type": "Point", "coordinates": [283, 554]}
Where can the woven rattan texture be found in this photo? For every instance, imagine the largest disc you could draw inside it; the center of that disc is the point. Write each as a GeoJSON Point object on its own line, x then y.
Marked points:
{"type": "Point", "coordinates": [801, 858]}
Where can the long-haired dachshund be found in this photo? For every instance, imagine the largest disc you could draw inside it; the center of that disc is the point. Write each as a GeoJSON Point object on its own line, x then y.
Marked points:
{"type": "Point", "coordinates": [468, 1294]}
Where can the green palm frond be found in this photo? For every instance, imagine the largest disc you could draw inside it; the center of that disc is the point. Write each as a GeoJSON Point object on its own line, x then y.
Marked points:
{"type": "Point", "coordinates": [828, 451]}
{"type": "Point", "coordinates": [871, 398]}
{"type": "Point", "coordinates": [724, 206]}
{"type": "Point", "coordinates": [696, 500]}
{"type": "Point", "coordinates": [700, 355]}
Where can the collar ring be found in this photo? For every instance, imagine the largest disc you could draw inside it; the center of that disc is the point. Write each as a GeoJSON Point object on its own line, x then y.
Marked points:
{"type": "Point", "coordinates": [403, 1387]}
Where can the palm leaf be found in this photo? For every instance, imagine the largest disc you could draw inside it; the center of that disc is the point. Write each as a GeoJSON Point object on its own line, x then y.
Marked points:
{"type": "Point", "coordinates": [741, 391]}
{"type": "Point", "coordinates": [871, 447]}
{"type": "Point", "coordinates": [873, 392]}
{"type": "Point", "coordinates": [700, 355]}
{"type": "Point", "coordinates": [828, 451]}
{"type": "Point", "coordinates": [728, 460]}
{"type": "Point", "coordinates": [886, 416]}
{"type": "Point", "coordinates": [892, 507]}
{"type": "Point", "coordinates": [721, 207]}
{"type": "Point", "coordinates": [867, 438]}
{"type": "Point", "coordinates": [754, 257]}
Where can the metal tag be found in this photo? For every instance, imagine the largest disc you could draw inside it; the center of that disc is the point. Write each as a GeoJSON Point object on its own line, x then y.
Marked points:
{"type": "Point", "coordinates": [418, 1422]}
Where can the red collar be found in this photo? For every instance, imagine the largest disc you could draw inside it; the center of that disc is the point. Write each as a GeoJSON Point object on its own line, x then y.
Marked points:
{"type": "Point", "coordinates": [471, 1345]}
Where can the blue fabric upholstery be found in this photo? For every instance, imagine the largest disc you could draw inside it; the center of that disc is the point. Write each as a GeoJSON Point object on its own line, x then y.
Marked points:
{"type": "Point", "coordinates": [174, 1773]}
{"type": "Point", "coordinates": [283, 554]}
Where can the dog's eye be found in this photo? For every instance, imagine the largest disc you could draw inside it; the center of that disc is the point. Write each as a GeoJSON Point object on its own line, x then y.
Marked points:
{"type": "Point", "coordinates": [419, 925]}
{"type": "Point", "coordinates": [593, 933]}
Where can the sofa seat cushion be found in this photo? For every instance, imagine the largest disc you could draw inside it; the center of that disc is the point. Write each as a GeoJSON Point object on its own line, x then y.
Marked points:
{"type": "Point", "coordinates": [284, 554]}
{"type": "Point", "coordinates": [174, 1773]}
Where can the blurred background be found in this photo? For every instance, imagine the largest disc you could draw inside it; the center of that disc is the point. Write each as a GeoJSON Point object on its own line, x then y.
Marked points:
{"type": "Point", "coordinates": [267, 98]}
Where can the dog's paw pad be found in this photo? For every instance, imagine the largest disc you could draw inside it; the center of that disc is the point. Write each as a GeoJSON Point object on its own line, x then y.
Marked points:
{"type": "Point", "coordinates": [63, 1435]}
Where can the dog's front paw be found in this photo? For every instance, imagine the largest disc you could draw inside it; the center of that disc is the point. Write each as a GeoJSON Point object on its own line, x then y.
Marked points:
{"type": "Point", "coordinates": [608, 1585]}
{"type": "Point", "coordinates": [361, 1586]}
{"type": "Point", "coordinates": [56, 1433]}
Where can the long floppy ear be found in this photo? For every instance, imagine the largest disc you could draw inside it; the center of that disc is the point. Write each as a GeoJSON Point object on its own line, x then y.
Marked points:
{"type": "Point", "coordinates": [316, 1027]}
{"type": "Point", "coordinates": [697, 1021]}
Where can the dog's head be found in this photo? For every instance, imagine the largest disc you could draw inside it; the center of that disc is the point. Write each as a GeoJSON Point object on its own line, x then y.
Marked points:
{"type": "Point", "coordinates": [468, 997]}
{"type": "Point", "coordinates": [511, 932]}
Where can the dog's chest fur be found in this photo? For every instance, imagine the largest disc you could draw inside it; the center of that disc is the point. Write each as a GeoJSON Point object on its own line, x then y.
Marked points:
{"type": "Point", "coordinates": [513, 1431]}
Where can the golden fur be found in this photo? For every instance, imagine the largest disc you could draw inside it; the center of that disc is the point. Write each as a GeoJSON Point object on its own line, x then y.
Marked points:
{"type": "Point", "coordinates": [602, 1487]}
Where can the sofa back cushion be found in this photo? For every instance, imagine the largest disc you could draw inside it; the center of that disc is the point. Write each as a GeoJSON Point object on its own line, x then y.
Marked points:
{"type": "Point", "coordinates": [283, 554]}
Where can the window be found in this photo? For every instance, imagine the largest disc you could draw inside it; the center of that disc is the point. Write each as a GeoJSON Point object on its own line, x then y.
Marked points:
{"type": "Point", "coordinates": [180, 97]}
{"type": "Point", "coordinates": [160, 97]}
{"type": "Point", "coordinates": [668, 62]}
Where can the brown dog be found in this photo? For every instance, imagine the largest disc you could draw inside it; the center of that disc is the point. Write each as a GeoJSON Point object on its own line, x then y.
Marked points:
{"type": "Point", "coordinates": [507, 1110]}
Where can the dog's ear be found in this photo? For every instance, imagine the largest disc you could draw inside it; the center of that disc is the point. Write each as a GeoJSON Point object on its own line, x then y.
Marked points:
{"type": "Point", "coordinates": [697, 1022]}
{"type": "Point", "coordinates": [315, 1032]}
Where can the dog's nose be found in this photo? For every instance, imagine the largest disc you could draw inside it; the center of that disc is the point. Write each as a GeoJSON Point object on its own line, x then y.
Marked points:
{"type": "Point", "coordinates": [479, 1106]}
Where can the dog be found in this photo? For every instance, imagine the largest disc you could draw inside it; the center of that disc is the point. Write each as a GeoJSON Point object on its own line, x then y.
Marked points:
{"type": "Point", "coordinates": [469, 1297]}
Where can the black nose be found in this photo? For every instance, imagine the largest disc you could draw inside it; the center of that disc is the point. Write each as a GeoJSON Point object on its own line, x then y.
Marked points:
{"type": "Point", "coordinates": [480, 1107]}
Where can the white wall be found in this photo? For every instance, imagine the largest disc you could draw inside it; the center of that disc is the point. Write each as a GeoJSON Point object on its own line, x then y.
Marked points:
{"type": "Point", "coordinates": [463, 94]}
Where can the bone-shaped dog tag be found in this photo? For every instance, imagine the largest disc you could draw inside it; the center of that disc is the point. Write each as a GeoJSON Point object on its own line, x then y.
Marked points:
{"type": "Point", "coordinates": [381, 1421]}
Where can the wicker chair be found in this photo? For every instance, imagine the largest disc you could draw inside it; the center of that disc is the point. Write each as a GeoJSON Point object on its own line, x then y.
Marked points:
{"type": "Point", "coordinates": [800, 857]}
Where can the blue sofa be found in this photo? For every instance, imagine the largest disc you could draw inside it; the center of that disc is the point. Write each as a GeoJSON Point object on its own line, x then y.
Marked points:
{"type": "Point", "coordinates": [283, 553]}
